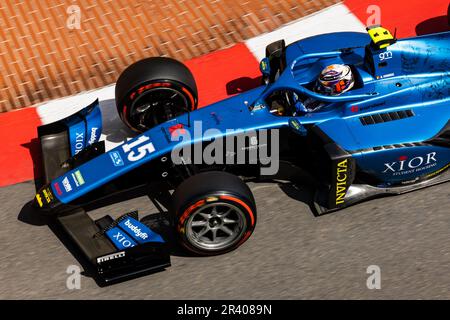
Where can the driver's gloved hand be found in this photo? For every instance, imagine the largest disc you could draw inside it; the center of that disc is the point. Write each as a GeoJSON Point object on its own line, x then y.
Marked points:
{"type": "Point", "coordinates": [300, 108]}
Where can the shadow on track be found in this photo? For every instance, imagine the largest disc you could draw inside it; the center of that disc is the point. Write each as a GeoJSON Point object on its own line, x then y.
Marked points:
{"type": "Point", "coordinates": [242, 84]}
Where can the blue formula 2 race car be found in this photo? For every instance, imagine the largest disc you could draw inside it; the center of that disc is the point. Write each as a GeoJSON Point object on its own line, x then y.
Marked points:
{"type": "Point", "coordinates": [363, 115]}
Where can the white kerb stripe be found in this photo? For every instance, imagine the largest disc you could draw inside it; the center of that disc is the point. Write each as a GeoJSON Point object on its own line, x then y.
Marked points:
{"type": "Point", "coordinates": [114, 130]}
{"type": "Point", "coordinates": [336, 18]}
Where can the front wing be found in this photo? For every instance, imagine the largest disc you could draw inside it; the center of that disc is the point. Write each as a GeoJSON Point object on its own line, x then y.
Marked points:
{"type": "Point", "coordinates": [111, 261]}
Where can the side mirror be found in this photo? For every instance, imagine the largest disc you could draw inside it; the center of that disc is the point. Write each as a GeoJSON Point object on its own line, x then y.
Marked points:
{"type": "Point", "coordinates": [264, 66]}
{"type": "Point", "coordinates": [297, 127]}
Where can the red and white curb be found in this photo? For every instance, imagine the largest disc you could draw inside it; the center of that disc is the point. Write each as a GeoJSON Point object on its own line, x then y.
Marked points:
{"type": "Point", "coordinates": [218, 75]}
{"type": "Point", "coordinates": [336, 18]}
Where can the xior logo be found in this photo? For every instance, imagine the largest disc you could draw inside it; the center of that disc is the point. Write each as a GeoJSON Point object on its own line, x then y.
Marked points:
{"type": "Point", "coordinates": [341, 181]}
{"type": "Point", "coordinates": [79, 142]}
{"type": "Point", "coordinates": [137, 231]}
{"type": "Point", "coordinates": [404, 165]}
{"type": "Point", "coordinates": [123, 240]}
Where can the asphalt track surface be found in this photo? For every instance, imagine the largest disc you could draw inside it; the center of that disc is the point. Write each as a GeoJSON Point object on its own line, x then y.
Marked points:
{"type": "Point", "coordinates": [291, 255]}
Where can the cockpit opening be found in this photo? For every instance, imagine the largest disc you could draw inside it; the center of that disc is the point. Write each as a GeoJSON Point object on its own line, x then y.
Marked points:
{"type": "Point", "coordinates": [334, 80]}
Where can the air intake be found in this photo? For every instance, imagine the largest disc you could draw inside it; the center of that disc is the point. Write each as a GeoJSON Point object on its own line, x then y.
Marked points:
{"type": "Point", "coordinates": [386, 117]}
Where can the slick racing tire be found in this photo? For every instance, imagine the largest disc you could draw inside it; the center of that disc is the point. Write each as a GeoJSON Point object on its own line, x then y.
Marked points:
{"type": "Point", "coordinates": [214, 212]}
{"type": "Point", "coordinates": [154, 90]}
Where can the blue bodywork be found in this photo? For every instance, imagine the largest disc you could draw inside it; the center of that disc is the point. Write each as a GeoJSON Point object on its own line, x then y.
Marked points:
{"type": "Point", "coordinates": [386, 122]}
{"type": "Point", "coordinates": [130, 232]}
{"type": "Point", "coordinates": [84, 127]}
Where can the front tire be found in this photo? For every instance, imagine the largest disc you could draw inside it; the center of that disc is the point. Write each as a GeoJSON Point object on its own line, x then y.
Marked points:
{"type": "Point", "coordinates": [154, 90]}
{"type": "Point", "coordinates": [214, 213]}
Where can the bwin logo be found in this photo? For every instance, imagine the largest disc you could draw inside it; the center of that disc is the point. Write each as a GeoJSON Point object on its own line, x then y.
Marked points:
{"type": "Point", "coordinates": [414, 163]}
{"type": "Point", "coordinates": [137, 231]}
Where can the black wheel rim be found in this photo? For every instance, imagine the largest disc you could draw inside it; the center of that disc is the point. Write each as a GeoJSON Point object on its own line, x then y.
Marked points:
{"type": "Point", "coordinates": [156, 106]}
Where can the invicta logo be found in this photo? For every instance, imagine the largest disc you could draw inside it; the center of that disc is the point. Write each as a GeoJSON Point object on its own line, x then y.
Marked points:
{"type": "Point", "coordinates": [341, 181]}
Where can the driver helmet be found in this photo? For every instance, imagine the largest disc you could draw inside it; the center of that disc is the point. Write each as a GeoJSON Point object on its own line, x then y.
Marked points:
{"type": "Point", "coordinates": [335, 79]}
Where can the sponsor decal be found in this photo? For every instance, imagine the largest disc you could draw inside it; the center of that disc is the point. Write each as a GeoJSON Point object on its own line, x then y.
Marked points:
{"type": "Point", "coordinates": [39, 200]}
{"type": "Point", "coordinates": [79, 178]}
{"type": "Point", "coordinates": [66, 184]}
{"type": "Point", "coordinates": [93, 138]}
{"type": "Point", "coordinates": [79, 141]}
{"type": "Point", "coordinates": [139, 231]}
{"type": "Point", "coordinates": [77, 134]}
{"type": "Point", "coordinates": [298, 127]}
{"type": "Point", "coordinates": [47, 195]}
{"type": "Point", "coordinates": [387, 75]}
{"type": "Point", "coordinates": [295, 124]}
{"type": "Point", "coordinates": [385, 55]}
{"type": "Point", "coordinates": [57, 188]}
{"type": "Point", "coordinates": [136, 230]}
{"type": "Point", "coordinates": [120, 239]}
{"type": "Point", "coordinates": [355, 109]}
{"type": "Point", "coordinates": [111, 257]}
{"type": "Point", "coordinates": [438, 171]}
{"type": "Point", "coordinates": [405, 165]}
{"type": "Point", "coordinates": [253, 140]}
{"type": "Point", "coordinates": [409, 181]}
{"type": "Point", "coordinates": [341, 181]}
{"type": "Point", "coordinates": [375, 105]}
{"type": "Point", "coordinates": [75, 180]}
{"type": "Point", "coordinates": [264, 65]}
{"type": "Point", "coordinates": [116, 158]}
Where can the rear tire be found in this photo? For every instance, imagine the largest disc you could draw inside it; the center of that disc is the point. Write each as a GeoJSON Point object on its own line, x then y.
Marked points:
{"type": "Point", "coordinates": [154, 90]}
{"type": "Point", "coordinates": [214, 213]}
